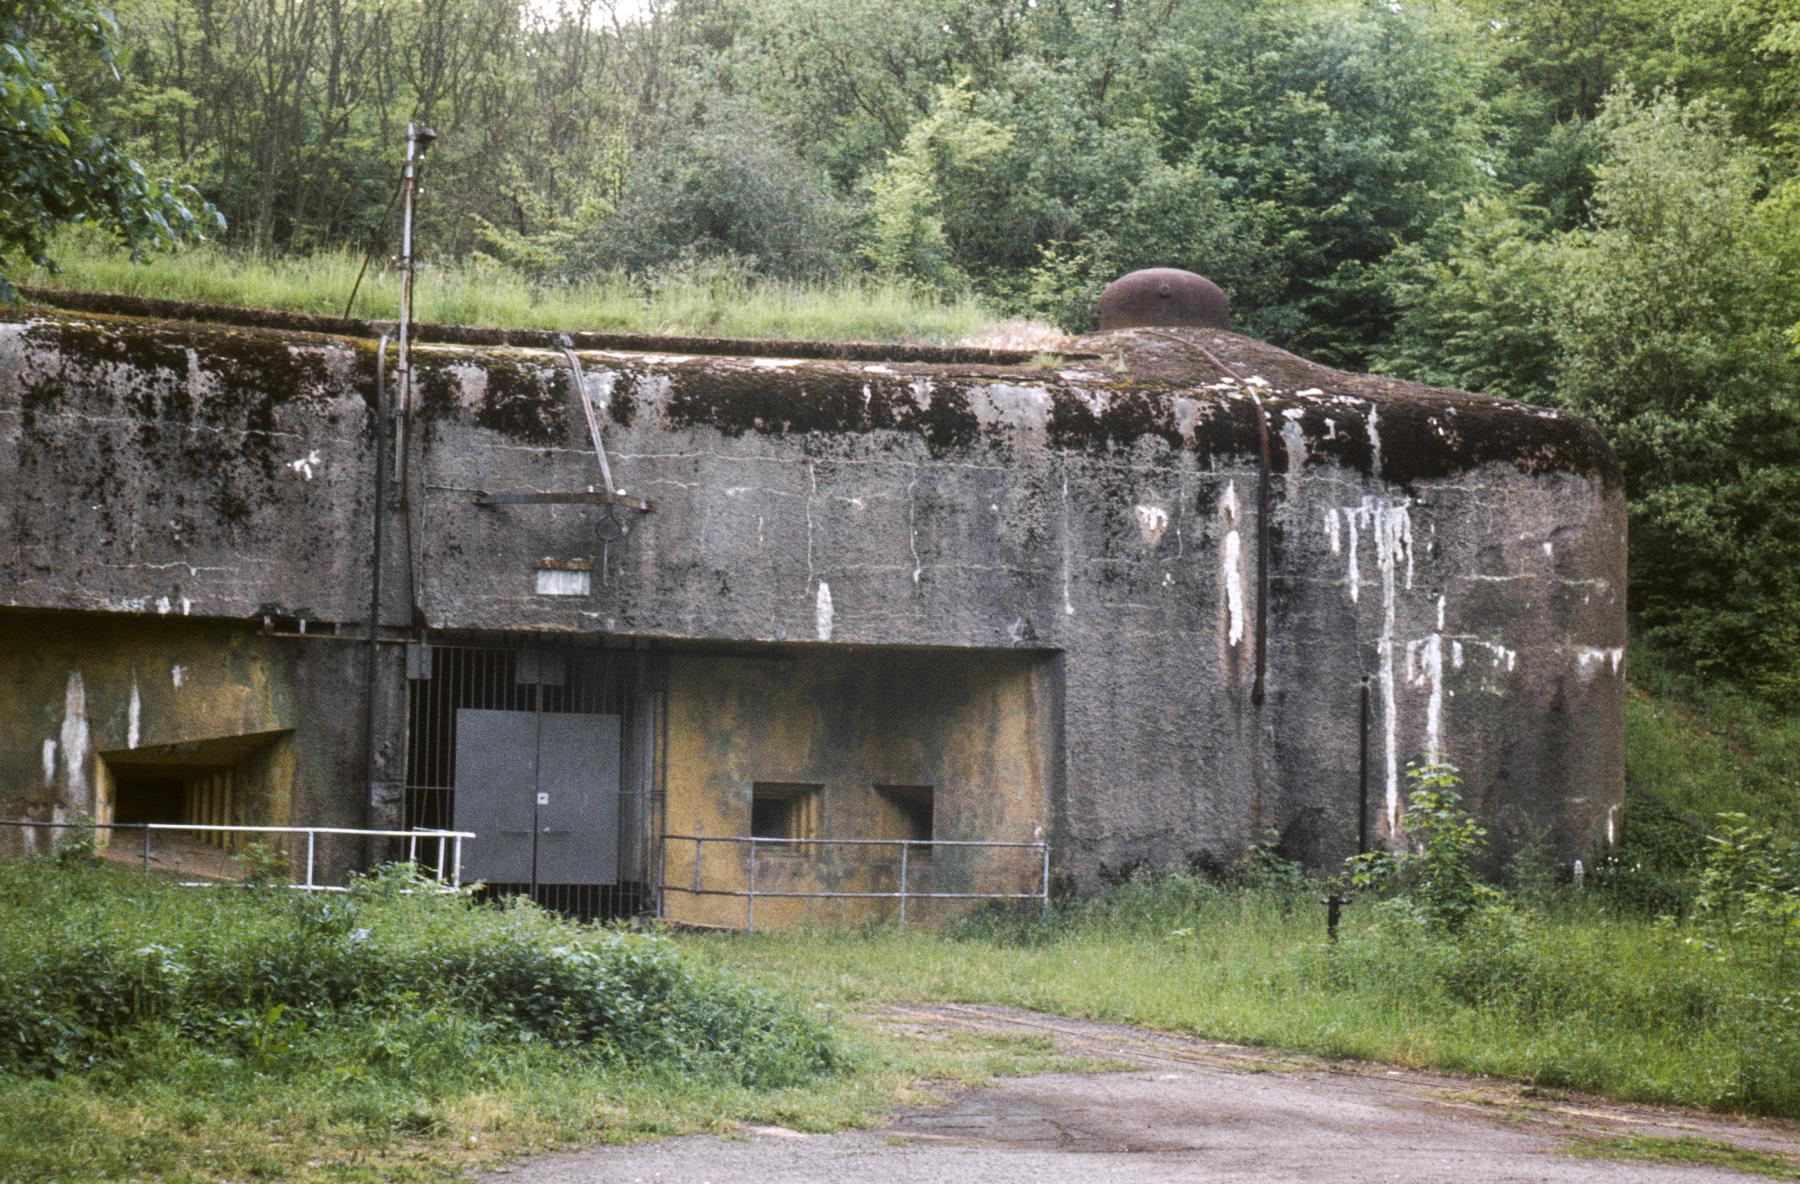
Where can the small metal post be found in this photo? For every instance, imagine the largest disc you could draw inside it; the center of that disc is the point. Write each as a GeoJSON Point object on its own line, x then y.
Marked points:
{"type": "Point", "coordinates": [456, 863]}
{"type": "Point", "coordinates": [442, 851]}
{"type": "Point", "coordinates": [312, 843]}
{"type": "Point", "coordinates": [1044, 889]}
{"type": "Point", "coordinates": [697, 865]}
{"type": "Point", "coordinates": [1334, 905]}
{"type": "Point", "coordinates": [662, 878]}
{"type": "Point", "coordinates": [903, 849]}
{"type": "Point", "coordinates": [750, 897]}
{"type": "Point", "coordinates": [412, 848]}
{"type": "Point", "coordinates": [146, 849]}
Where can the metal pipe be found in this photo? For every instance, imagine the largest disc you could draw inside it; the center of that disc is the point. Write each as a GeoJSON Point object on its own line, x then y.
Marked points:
{"type": "Point", "coordinates": [1044, 911]}
{"type": "Point", "coordinates": [903, 849]}
{"type": "Point", "coordinates": [1262, 552]}
{"type": "Point", "coordinates": [378, 508]}
{"type": "Point", "coordinates": [312, 844]}
{"type": "Point", "coordinates": [750, 897]}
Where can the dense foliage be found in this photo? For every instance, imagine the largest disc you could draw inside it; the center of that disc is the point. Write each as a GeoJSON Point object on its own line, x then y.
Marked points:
{"type": "Point", "coordinates": [55, 165]}
{"type": "Point", "coordinates": [1589, 204]}
{"type": "Point", "coordinates": [99, 963]}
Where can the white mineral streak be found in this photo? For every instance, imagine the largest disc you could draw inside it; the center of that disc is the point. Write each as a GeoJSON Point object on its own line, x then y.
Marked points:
{"type": "Point", "coordinates": [1295, 441]}
{"type": "Point", "coordinates": [1456, 657]}
{"type": "Point", "coordinates": [1591, 660]}
{"type": "Point", "coordinates": [1331, 531]}
{"type": "Point", "coordinates": [1374, 446]}
{"type": "Point", "coordinates": [1232, 565]}
{"type": "Point", "coordinates": [74, 741]}
{"type": "Point", "coordinates": [177, 673]}
{"type": "Point", "coordinates": [1392, 528]}
{"type": "Point", "coordinates": [134, 717]}
{"type": "Point", "coordinates": [1425, 668]}
{"type": "Point", "coordinates": [1152, 522]}
{"type": "Point", "coordinates": [822, 611]}
{"type": "Point", "coordinates": [1376, 514]}
{"type": "Point", "coordinates": [49, 762]}
{"type": "Point", "coordinates": [306, 465]}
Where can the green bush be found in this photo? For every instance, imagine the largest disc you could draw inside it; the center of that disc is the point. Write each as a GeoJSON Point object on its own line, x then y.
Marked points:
{"type": "Point", "coordinates": [98, 959]}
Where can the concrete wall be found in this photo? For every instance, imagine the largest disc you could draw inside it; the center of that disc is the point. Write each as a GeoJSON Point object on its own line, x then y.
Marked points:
{"type": "Point", "coordinates": [977, 727]}
{"type": "Point", "coordinates": [1464, 554]}
{"type": "Point", "coordinates": [83, 696]}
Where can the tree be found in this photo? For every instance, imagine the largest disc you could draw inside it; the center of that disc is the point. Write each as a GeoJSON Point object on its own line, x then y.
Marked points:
{"type": "Point", "coordinates": [55, 168]}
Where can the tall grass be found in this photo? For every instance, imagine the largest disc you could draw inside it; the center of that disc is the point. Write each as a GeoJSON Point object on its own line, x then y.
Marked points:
{"type": "Point", "coordinates": [699, 300]}
{"type": "Point", "coordinates": [148, 1031]}
{"type": "Point", "coordinates": [1573, 994]}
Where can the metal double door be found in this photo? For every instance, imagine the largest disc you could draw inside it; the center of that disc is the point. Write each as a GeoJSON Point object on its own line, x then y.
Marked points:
{"type": "Point", "coordinates": [541, 792]}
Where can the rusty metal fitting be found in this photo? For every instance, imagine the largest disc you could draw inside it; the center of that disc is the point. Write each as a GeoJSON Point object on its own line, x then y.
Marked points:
{"type": "Point", "coordinates": [1163, 297]}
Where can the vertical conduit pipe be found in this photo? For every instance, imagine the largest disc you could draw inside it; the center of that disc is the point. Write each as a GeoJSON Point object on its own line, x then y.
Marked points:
{"type": "Point", "coordinates": [1262, 553]}
{"type": "Point", "coordinates": [378, 508]}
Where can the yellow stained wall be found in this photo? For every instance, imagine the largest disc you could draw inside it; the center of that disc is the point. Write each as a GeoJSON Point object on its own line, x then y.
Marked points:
{"type": "Point", "coordinates": [976, 726]}
{"type": "Point", "coordinates": [76, 689]}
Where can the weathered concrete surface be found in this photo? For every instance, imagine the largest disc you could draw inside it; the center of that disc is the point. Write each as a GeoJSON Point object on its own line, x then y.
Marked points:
{"type": "Point", "coordinates": [85, 696]}
{"type": "Point", "coordinates": [976, 727]}
{"type": "Point", "coordinates": [1195, 1110]}
{"type": "Point", "coordinates": [1464, 554]}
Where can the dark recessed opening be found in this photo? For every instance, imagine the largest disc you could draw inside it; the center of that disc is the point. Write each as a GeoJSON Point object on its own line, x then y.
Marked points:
{"type": "Point", "coordinates": [138, 797]}
{"type": "Point", "coordinates": [911, 815]}
{"type": "Point", "coordinates": [782, 810]}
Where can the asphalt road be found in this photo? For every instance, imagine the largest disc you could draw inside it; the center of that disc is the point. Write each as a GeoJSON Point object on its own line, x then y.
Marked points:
{"type": "Point", "coordinates": [1192, 1111]}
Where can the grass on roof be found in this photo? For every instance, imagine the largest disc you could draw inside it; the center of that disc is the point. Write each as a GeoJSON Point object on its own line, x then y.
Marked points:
{"type": "Point", "coordinates": [700, 301]}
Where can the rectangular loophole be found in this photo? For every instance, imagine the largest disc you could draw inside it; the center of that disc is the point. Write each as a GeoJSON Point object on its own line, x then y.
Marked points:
{"type": "Point", "coordinates": [907, 813]}
{"type": "Point", "coordinates": [786, 810]}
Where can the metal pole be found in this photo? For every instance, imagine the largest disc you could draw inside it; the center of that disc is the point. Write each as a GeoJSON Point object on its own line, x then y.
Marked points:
{"type": "Point", "coordinates": [750, 897]}
{"type": "Point", "coordinates": [412, 849]}
{"type": "Point", "coordinates": [312, 844]}
{"type": "Point", "coordinates": [696, 865]}
{"type": "Point", "coordinates": [406, 285]}
{"type": "Point", "coordinates": [146, 850]}
{"type": "Point", "coordinates": [456, 864]}
{"type": "Point", "coordinates": [662, 878]}
{"type": "Point", "coordinates": [1044, 888]}
{"type": "Point", "coordinates": [903, 846]}
{"type": "Point", "coordinates": [442, 851]}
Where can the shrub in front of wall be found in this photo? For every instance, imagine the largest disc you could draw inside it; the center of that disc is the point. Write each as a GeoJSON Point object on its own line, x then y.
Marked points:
{"type": "Point", "coordinates": [262, 973]}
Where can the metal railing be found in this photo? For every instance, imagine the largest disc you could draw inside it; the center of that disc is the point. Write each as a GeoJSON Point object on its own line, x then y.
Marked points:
{"type": "Point", "coordinates": [902, 893]}
{"type": "Point", "coordinates": [449, 844]}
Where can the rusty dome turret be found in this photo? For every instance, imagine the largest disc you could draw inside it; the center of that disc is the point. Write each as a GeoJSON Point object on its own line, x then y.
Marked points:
{"type": "Point", "coordinates": [1166, 297]}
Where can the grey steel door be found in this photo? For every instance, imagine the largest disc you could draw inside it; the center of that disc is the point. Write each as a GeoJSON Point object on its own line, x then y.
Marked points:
{"type": "Point", "coordinates": [496, 780]}
{"type": "Point", "coordinates": [578, 799]}
{"type": "Point", "coordinates": [541, 792]}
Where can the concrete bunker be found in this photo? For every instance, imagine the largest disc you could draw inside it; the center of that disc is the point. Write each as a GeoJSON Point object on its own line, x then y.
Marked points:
{"type": "Point", "coordinates": [1141, 603]}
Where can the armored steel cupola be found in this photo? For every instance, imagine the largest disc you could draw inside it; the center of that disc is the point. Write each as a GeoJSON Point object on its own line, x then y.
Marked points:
{"type": "Point", "coordinates": [1164, 297]}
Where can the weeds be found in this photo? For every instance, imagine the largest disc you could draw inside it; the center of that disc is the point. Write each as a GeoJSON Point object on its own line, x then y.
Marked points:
{"type": "Point", "coordinates": [707, 299]}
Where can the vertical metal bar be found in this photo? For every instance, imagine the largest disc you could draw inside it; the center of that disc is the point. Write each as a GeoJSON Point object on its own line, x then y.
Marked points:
{"type": "Point", "coordinates": [1044, 887]}
{"type": "Point", "coordinates": [440, 860]}
{"type": "Point", "coordinates": [1262, 550]}
{"type": "Point", "coordinates": [146, 849]}
{"type": "Point", "coordinates": [412, 849]}
{"type": "Point", "coordinates": [904, 845]}
{"type": "Point", "coordinates": [312, 844]}
{"type": "Point", "coordinates": [662, 877]}
{"type": "Point", "coordinates": [697, 846]}
{"type": "Point", "coordinates": [750, 897]}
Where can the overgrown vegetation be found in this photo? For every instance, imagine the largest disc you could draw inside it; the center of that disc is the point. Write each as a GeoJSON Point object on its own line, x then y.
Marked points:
{"type": "Point", "coordinates": [1688, 997]}
{"type": "Point", "coordinates": [276, 1028]}
{"type": "Point", "coordinates": [704, 297]}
